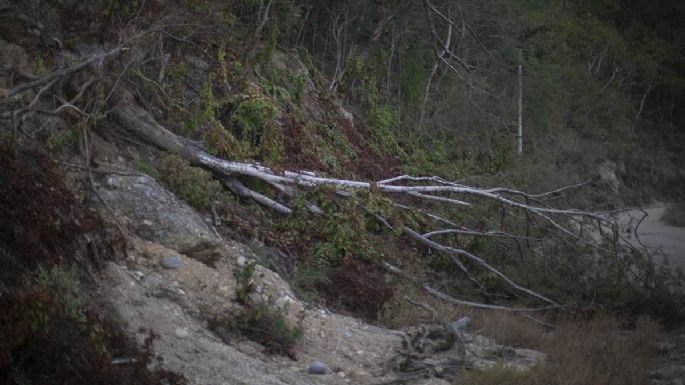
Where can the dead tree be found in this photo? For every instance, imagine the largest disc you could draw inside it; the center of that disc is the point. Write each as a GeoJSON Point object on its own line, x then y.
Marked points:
{"type": "Point", "coordinates": [428, 188]}
{"type": "Point", "coordinates": [343, 49]}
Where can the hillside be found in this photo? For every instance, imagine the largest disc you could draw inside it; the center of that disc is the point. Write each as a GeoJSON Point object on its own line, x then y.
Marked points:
{"type": "Point", "coordinates": [256, 192]}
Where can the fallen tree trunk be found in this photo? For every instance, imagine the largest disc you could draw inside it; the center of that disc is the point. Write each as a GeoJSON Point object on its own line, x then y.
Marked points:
{"type": "Point", "coordinates": [134, 118]}
{"type": "Point", "coordinates": [567, 225]}
{"type": "Point", "coordinates": [140, 122]}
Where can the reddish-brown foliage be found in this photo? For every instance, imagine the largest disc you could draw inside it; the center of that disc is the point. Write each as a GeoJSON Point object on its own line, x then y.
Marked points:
{"type": "Point", "coordinates": [357, 287]}
{"type": "Point", "coordinates": [41, 222]}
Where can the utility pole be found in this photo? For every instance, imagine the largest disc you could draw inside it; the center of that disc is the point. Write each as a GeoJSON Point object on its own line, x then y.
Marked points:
{"type": "Point", "coordinates": [520, 109]}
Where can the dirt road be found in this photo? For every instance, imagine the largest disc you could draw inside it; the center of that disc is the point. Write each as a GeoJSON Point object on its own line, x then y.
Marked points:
{"type": "Point", "coordinates": [654, 233]}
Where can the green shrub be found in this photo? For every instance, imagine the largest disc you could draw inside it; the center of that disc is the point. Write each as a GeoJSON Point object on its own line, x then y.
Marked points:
{"type": "Point", "coordinates": [266, 324]}
{"type": "Point", "coordinates": [340, 250]}
{"type": "Point", "coordinates": [252, 116]}
{"type": "Point", "coordinates": [192, 184]}
{"type": "Point", "coordinates": [49, 329]}
{"type": "Point", "coordinates": [262, 322]}
{"type": "Point", "coordinates": [64, 140]}
{"type": "Point", "coordinates": [63, 286]}
{"type": "Point", "coordinates": [149, 169]}
{"type": "Point", "coordinates": [243, 277]}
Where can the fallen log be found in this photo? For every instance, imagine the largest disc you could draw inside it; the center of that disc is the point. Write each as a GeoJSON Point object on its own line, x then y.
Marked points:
{"type": "Point", "coordinates": [137, 120]}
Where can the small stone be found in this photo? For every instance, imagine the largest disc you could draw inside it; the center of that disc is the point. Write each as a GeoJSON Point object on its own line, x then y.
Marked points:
{"type": "Point", "coordinates": [317, 367]}
{"type": "Point", "coordinates": [360, 352]}
{"type": "Point", "coordinates": [181, 333]}
{"type": "Point", "coordinates": [242, 260]}
{"type": "Point", "coordinates": [172, 262]}
{"type": "Point", "coordinates": [112, 182]}
{"type": "Point", "coordinates": [348, 334]}
{"type": "Point", "coordinates": [461, 324]}
{"type": "Point", "coordinates": [322, 334]}
{"type": "Point", "coordinates": [341, 374]}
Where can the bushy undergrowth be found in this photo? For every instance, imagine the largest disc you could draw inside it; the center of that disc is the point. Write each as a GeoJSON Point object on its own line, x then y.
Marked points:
{"type": "Point", "coordinates": [49, 333]}
{"type": "Point", "coordinates": [50, 330]}
{"type": "Point", "coordinates": [262, 322]}
{"type": "Point", "coordinates": [595, 347]}
{"type": "Point", "coordinates": [340, 250]}
{"type": "Point", "coordinates": [600, 351]}
{"type": "Point", "coordinates": [212, 90]}
{"type": "Point", "coordinates": [244, 106]}
{"type": "Point", "coordinates": [192, 184]}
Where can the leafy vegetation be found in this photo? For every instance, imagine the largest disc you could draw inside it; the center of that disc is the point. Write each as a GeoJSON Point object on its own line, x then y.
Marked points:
{"type": "Point", "coordinates": [51, 331]}
{"type": "Point", "coordinates": [243, 278]}
{"type": "Point", "coordinates": [599, 351]}
{"type": "Point", "coordinates": [192, 184]}
{"type": "Point", "coordinates": [340, 250]}
{"type": "Point", "coordinates": [601, 81]}
{"type": "Point", "coordinates": [252, 86]}
{"type": "Point", "coordinates": [262, 322]}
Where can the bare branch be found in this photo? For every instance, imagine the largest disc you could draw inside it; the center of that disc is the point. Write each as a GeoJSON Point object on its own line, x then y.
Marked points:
{"type": "Point", "coordinates": [464, 231]}
{"type": "Point", "coordinates": [99, 58]}
{"type": "Point", "coordinates": [440, 199]}
{"type": "Point", "coordinates": [136, 119]}
{"type": "Point", "coordinates": [265, 19]}
{"type": "Point", "coordinates": [453, 252]}
{"type": "Point", "coordinates": [244, 192]}
{"type": "Point", "coordinates": [438, 294]}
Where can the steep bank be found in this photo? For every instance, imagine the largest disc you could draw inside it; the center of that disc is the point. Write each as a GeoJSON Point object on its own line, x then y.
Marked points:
{"type": "Point", "coordinates": [201, 142]}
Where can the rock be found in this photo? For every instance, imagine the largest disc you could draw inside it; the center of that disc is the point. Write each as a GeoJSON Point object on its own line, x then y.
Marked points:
{"type": "Point", "coordinates": [181, 333]}
{"type": "Point", "coordinates": [317, 367]}
{"type": "Point", "coordinates": [432, 381]}
{"type": "Point", "coordinates": [172, 262]}
{"type": "Point", "coordinates": [242, 260]}
{"type": "Point", "coordinates": [29, 22]}
{"type": "Point", "coordinates": [157, 215]}
{"type": "Point", "coordinates": [461, 324]}
{"type": "Point", "coordinates": [607, 173]}
{"type": "Point", "coordinates": [50, 126]}
{"type": "Point", "coordinates": [196, 73]}
{"type": "Point", "coordinates": [347, 115]}
{"type": "Point", "coordinates": [12, 58]}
